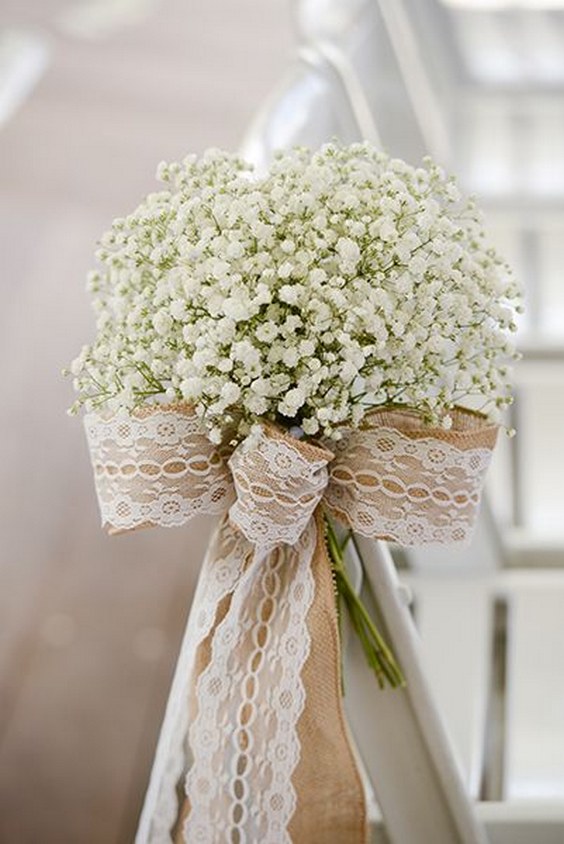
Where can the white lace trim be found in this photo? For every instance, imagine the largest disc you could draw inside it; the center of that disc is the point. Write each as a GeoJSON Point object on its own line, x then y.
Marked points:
{"type": "Point", "coordinates": [243, 741]}
{"type": "Point", "coordinates": [409, 490]}
{"type": "Point", "coordinates": [157, 469]}
{"type": "Point", "coordinates": [277, 489]}
{"type": "Point", "coordinates": [250, 698]}
{"type": "Point", "coordinates": [222, 567]}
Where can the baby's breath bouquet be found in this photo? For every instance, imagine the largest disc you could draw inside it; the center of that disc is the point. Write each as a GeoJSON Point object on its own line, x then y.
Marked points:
{"type": "Point", "coordinates": [340, 281]}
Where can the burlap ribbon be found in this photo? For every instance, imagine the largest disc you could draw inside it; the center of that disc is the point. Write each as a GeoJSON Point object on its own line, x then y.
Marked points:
{"type": "Point", "coordinates": [255, 715]}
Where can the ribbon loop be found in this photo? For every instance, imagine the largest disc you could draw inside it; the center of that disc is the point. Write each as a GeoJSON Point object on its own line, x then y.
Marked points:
{"type": "Point", "coordinates": [279, 481]}
{"type": "Point", "coordinates": [396, 480]}
{"type": "Point", "coordinates": [155, 466]}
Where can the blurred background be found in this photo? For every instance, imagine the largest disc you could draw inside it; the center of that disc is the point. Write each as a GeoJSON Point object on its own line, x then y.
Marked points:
{"type": "Point", "coordinates": [93, 94]}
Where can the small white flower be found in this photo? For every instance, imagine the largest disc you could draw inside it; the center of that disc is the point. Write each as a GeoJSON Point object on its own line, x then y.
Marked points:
{"type": "Point", "coordinates": [246, 353]}
{"type": "Point", "coordinates": [387, 230]}
{"type": "Point", "coordinates": [290, 356]}
{"type": "Point", "coordinates": [235, 249]}
{"type": "Point", "coordinates": [162, 322]}
{"type": "Point", "coordinates": [191, 388]}
{"type": "Point", "coordinates": [285, 270]}
{"type": "Point", "coordinates": [235, 309]}
{"type": "Point", "coordinates": [79, 362]}
{"type": "Point", "coordinates": [348, 251]}
{"type": "Point", "coordinates": [310, 426]}
{"type": "Point", "coordinates": [317, 276]}
{"type": "Point", "coordinates": [230, 392]}
{"type": "Point", "coordinates": [292, 402]}
{"type": "Point", "coordinates": [289, 293]}
{"type": "Point", "coordinates": [257, 405]}
{"type": "Point", "coordinates": [178, 309]}
{"type": "Point", "coordinates": [215, 435]}
{"type": "Point", "coordinates": [266, 332]}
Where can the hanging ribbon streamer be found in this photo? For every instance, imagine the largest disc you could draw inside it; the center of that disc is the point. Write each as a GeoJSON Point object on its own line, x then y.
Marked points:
{"type": "Point", "coordinates": [255, 720]}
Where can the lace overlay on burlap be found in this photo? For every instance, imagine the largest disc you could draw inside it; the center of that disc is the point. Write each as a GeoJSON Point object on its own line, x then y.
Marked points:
{"type": "Point", "coordinates": [240, 714]}
{"type": "Point", "coordinates": [156, 468]}
{"type": "Point", "coordinates": [395, 480]}
{"type": "Point", "coordinates": [250, 697]}
{"type": "Point", "coordinates": [224, 563]}
{"type": "Point", "coordinates": [278, 482]}
{"type": "Point", "coordinates": [249, 701]}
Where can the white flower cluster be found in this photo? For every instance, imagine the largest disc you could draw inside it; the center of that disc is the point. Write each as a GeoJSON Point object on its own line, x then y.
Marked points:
{"type": "Point", "coordinates": [341, 280]}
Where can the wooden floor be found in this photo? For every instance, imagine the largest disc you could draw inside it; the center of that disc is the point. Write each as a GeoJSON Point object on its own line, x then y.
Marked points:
{"type": "Point", "coordinates": [90, 626]}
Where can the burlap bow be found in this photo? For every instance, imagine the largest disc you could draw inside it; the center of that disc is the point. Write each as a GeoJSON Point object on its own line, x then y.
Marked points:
{"type": "Point", "coordinates": [255, 714]}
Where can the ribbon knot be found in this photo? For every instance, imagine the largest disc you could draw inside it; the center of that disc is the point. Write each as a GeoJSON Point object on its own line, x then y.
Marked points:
{"type": "Point", "coordinates": [279, 482]}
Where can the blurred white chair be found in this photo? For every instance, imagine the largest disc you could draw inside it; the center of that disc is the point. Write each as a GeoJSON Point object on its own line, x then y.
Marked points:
{"type": "Point", "coordinates": [24, 58]}
{"type": "Point", "coordinates": [491, 648]}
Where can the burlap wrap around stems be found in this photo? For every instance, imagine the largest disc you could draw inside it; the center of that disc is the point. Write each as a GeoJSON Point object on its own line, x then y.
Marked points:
{"type": "Point", "coordinates": [255, 721]}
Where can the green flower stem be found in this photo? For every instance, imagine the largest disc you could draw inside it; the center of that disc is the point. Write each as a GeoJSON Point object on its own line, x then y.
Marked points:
{"type": "Point", "coordinates": [378, 654]}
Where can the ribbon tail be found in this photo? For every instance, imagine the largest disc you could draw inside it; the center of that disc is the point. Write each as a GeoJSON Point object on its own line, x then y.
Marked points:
{"type": "Point", "coordinates": [271, 755]}
{"type": "Point", "coordinates": [331, 798]}
{"type": "Point", "coordinates": [249, 699]}
{"type": "Point", "coordinates": [221, 570]}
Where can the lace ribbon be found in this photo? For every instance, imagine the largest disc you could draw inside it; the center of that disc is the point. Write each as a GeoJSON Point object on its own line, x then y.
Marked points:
{"type": "Point", "coordinates": [254, 720]}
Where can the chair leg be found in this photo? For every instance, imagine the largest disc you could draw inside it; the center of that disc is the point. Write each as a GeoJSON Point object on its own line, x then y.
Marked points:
{"type": "Point", "coordinates": [402, 741]}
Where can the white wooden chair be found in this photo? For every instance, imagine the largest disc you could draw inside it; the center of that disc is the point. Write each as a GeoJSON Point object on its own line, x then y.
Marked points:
{"type": "Point", "coordinates": [473, 750]}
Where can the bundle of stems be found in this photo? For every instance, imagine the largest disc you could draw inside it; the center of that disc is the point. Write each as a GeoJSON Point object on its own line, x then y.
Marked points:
{"type": "Point", "coordinates": [378, 654]}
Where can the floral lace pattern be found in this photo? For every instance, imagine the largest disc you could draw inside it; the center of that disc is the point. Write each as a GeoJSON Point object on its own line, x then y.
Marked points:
{"type": "Point", "coordinates": [156, 469]}
{"type": "Point", "coordinates": [250, 696]}
{"type": "Point", "coordinates": [249, 699]}
{"type": "Point", "coordinates": [423, 490]}
{"type": "Point", "coordinates": [278, 485]}
{"type": "Point", "coordinates": [223, 565]}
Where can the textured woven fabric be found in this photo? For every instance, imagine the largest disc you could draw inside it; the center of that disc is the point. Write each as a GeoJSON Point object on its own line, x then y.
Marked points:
{"type": "Point", "coordinates": [254, 722]}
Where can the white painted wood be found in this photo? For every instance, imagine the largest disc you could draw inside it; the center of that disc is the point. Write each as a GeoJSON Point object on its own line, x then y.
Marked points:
{"type": "Point", "coordinates": [535, 691]}
{"type": "Point", "coordinates": [524, 822]}
{"type": "Point", "coordinates": [325, 54]}
{"type": "Point", "coordinates": [551, 259]}
{"type": "Point", "coordinates": [454, 618]}
{"type": "Point", "coordinates": [24, 57]}
{"type": "Point", "coordinates": [534, 695]}
{"type": "Point", "coordinates": [454, 613]}
{"type": "Point", "coordinates": [541, 435]}
{"type": "Point", "coordinates": [427, 107]}
{"type": "Point", "coordinates": [395, 757]}
{"type": "Point", "coordinates": [400, 734]}
{"type": "Point", "coordinates": [534, 757]}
